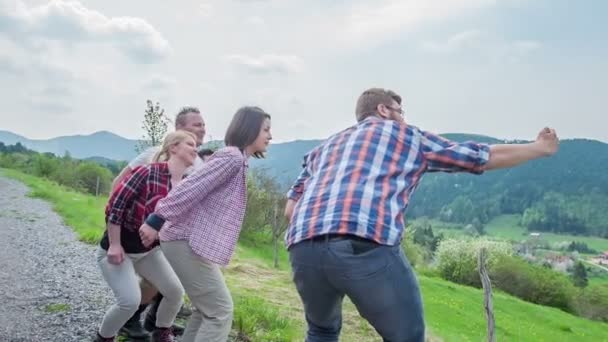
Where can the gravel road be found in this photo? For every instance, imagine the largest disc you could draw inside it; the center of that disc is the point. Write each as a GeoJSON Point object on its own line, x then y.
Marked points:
{"type": "Point", "coordinates": [50, 287]}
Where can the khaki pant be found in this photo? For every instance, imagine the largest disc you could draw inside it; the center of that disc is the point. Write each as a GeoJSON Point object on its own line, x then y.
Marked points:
{"type": "Point", "coordinates": [124, 282]}
{"type": "Point", "coordinates": [205, 286]}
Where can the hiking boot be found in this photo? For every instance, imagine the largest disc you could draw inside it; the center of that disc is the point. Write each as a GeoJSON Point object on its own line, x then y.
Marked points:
{"type": "Point", "coordinates": [150, 325]}
{"type": "Point", "coordinates": [184, 312]}
{"type": "Point", "coordinates": [133, 328]}
{"type": "Point", "coordinates": [163, 335]}
{"type": "Point", "coordinates": [99, 338]}
{"type": "Point", "coordinates": [150, 321]}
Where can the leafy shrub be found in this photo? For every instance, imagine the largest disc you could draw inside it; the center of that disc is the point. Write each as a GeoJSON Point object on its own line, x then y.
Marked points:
{"type": "Point", "coordinates": [457, 259]}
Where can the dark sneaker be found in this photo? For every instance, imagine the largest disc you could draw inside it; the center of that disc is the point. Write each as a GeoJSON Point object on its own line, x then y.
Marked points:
{"type": "Point", "coordinates": [184, 312]}
{"type": "Point", "coordinates": [150, 325]}
{"type": "Point", "coordinates": [133, 328]}
{"type": "Point", "coordinates": [150, 322]}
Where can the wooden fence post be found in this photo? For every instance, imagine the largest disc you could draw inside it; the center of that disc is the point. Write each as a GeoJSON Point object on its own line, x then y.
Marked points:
{"type": "Point", "coordinates": [487, 294]}
{"type": "Point", "coordinates": [275, 232]}
{"type": "Point", "coordinates": [97, 187]}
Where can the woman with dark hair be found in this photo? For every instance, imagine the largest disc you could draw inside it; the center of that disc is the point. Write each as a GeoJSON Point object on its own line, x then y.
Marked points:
{"type": "Point", "coordinates": [203, 216]}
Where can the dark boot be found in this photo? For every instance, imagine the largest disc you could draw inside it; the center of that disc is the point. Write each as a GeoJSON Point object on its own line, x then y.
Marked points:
{"type": "Point", "coordinates": [133, 329]}
{"type": "Point", "coordinates": [163, 335]}
{"type": "Point", "coordinates": [184, 312]}
{"type": "Point", "coordinates": [98, 338]}
{"type": "Point", "coordinates": [150, 321]}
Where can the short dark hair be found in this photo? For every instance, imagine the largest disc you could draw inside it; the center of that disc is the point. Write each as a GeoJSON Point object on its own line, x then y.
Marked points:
{"type": "Point", "coordinates": [367, 104]}
{"type": "Point", "coordinates": [180, 118]}
{"type": "Point", "coordinates": [245, 128]}
{"type": "Point", "coordinates": [205, 152]}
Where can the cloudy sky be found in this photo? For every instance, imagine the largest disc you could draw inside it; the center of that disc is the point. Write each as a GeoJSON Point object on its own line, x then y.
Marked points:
{"type": "Point", "coordinates": [504, 68]}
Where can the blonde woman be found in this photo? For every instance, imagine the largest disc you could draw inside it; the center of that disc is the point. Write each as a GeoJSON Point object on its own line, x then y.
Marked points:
{"type": "Point", "coordinates": [122, 256]}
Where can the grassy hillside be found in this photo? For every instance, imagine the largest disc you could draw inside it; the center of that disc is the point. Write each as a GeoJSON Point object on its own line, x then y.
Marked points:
{"type": "Point", "coordinates": [507, 227]}
{"type": "Point", "coordinates": [268, 309]}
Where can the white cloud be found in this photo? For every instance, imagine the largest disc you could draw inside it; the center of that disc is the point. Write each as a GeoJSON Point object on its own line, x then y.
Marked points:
{"type": "Point", "coordinates": [255, 20]}
{"type": "Point", "coordinates": [381, 20]}
{"type": "Point", "coordinates": [267, 64]}
{"type": "Point", "coordinates": [489, 46]}
{"type": "Point", "coordinates": [458, 41]}
{"type": "Point", "coordinates": [51, 106]}
{"type": "Point", "coordinates": [37, 68]}
{"type": "Point", "coordinates": [251, 1]}
{"type": "Point", "coordinates": [206, 9]}
{"type": "Point", "coordinates": [71, 22]}
{"type": "Point", "coordinates": [526, 46]}
{"type": "Point", "coordinates": [10, 67]}
{"type": "Point", "coordinates": [515, 51]}
{"type": "Point", "coordinates": [56, 91]}
{"type": "Point", "coordinates": [158, 82]}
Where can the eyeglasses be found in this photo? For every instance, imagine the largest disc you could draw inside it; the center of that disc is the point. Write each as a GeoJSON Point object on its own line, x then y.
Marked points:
{"type": "Point", "coordinates": [398, 110]}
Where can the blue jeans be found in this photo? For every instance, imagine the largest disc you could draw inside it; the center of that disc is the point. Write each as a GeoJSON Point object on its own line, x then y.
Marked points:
{"type": "Point", "coordinates": [378, 280]}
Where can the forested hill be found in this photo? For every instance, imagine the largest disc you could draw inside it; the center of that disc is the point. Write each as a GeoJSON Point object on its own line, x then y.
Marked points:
{"type": "Point", "coordinates": [565, 193]}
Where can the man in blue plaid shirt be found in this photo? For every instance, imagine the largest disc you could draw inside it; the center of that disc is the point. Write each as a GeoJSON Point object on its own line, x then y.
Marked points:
{"type": "Point", "coordinates": [346, 212]}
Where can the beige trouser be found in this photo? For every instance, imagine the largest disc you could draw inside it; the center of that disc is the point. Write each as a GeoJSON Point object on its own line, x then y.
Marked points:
{"type": "Point", "coordinates": [148, 291]}
{"type": "Point", "coordinates": [124, 282]}
{"type": "Point", "coordinates": [204, 283]}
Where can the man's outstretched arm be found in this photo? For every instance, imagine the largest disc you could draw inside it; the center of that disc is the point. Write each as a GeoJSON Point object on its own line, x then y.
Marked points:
{"type": "Point", "coordinates": [509, 155]}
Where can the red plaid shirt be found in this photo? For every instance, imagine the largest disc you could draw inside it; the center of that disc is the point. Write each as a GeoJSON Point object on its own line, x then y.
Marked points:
{"type": "Point", "coordinates": [133, 200]}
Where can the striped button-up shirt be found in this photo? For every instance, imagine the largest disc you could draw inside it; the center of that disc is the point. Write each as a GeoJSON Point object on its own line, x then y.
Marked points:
{"type": "Point", "coordinates": [207, 208]}
{"type": "Point", "coordinates": [360, 181]}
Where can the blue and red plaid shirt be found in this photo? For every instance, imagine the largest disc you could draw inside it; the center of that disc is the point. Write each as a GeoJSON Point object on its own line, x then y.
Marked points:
{"type": "Point", "coordinates": [133, 199]}
{"type": "Point", "coordinates": [360, 181]}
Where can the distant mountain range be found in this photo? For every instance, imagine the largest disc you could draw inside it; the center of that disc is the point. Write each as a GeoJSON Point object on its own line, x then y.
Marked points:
{"type": "Point", "coordinates": [100, 144]}
{"type": "Point", "coordinates": [283, 160]}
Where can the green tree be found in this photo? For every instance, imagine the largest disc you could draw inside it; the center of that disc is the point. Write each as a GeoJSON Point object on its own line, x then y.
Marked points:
{"type": "Point", "coordinates": [579, 275]}
{"type": "Point", "coordinates": [478, 226]}
{"type": "Point", "coordinates": [155, 126]}
{"type": "Point", "coordinates": [94, 179]}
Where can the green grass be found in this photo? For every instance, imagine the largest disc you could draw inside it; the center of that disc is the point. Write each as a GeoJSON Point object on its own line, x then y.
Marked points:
{"type": "Point", "coordinates": [267, 307]}
{"type": "Point", "coordinates": [56, 308]}
{"type": "Point", "coordinates": [598, 280]}
{"type": "Point", "coordinates": [260, 321]}
{"type": "Point", "coordinates": [507, 227]}
{"type": "Point", "coordinates": [455, 313]}
{"type": "Point", "coordinates": [255, 246]}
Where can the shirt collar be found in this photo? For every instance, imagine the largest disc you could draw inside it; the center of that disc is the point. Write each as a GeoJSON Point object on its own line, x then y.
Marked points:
{"type": "Point", "coordinates": [163, 167]}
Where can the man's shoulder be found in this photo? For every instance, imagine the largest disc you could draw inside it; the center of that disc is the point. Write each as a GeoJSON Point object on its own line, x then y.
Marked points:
{"type": "Point", "coordinates": [150, 151]}
{"type": "Point", "coordinates": [144, 157]}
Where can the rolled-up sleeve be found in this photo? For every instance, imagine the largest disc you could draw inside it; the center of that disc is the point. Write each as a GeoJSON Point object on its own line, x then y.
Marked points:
{"type": "Point", "coordinates": [125, 194]}
{"type": "Point", "coordinates": [443, 155]}
{"type": "Point", "coordinates": [297, 189]}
